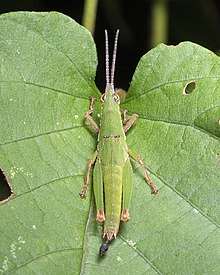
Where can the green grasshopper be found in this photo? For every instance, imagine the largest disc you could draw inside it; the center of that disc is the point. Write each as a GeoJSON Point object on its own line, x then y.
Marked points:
{"type": "Point", "coordinates": [112, 175]}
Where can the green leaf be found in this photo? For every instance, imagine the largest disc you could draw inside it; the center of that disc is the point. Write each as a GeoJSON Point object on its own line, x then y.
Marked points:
{"type": "Point", "coordinates": [48, 64]}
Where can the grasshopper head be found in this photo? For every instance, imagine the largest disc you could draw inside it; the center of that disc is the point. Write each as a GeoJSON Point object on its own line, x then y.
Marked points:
{"type": "Point", "coordinates": [110, 95]}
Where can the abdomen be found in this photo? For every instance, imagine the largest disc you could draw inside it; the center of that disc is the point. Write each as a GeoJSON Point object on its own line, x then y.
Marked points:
{"type": "Point", "coordinates": [112, 177]}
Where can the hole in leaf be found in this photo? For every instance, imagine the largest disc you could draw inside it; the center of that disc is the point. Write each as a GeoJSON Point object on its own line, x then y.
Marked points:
{"type": "Point", "coordinates": [189, 88]}
{"type": "Point", "coordinates": [6, 191]}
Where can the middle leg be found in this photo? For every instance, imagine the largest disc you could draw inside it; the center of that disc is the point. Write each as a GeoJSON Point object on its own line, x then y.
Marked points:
{"type": "Point", "coordinates": [140, 161]}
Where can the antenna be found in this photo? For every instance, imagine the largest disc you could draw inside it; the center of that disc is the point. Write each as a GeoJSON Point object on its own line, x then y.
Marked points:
{"type": "Point", "coordinates": [114, 58]}
{"type": "Point", "coordinates": [106, 59]}
{"type": "Point", "coordinates": [108, 81]}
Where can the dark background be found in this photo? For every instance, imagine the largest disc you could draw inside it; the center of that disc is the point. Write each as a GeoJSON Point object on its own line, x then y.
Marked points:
{"type": "Point", "coordinates": [193, 20]}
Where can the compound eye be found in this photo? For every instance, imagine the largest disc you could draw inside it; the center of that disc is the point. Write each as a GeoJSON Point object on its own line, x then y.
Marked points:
{"type": "Point", "coordinates": [103, 98]}
{"type": "Point", "coordinates": [116, 98]}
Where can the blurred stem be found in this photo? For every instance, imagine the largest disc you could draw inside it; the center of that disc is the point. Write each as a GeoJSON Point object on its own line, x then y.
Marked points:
{"type": "Point", "coordinates": [159, 30]}
{"type": "Point", "coordinates": [89, 15]}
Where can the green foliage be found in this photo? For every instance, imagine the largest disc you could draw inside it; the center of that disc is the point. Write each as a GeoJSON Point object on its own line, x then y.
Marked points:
{"type": "Point", "coordinates": [48, 64]}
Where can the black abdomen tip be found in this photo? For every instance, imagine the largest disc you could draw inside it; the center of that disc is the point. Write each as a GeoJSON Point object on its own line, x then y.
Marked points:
{"type": "Point", "coordinates": [103, 249]}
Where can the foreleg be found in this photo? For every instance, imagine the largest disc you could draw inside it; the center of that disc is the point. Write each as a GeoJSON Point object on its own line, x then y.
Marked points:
{"type": "Point", "coordinates": [128, 122]}
{"type": "Point", "coordinates": [89, 118]}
